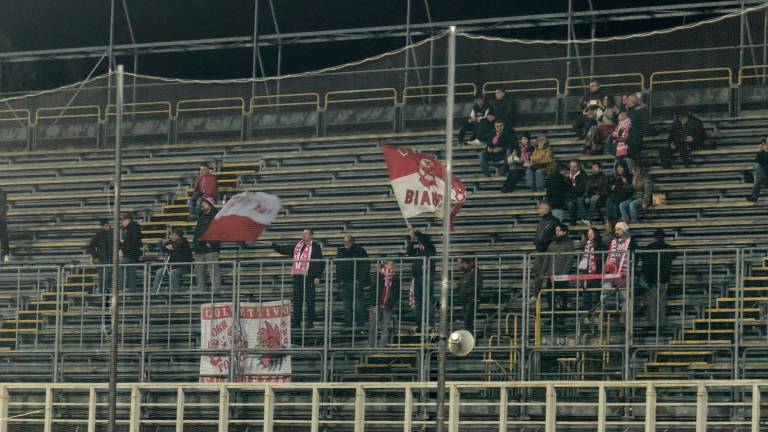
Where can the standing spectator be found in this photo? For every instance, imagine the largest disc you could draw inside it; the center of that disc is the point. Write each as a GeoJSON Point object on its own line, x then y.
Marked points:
{"type": "Point", "coordinates": [542, 161]}
{"type": "Point", "coordinates": [595, 192]}
{"type": "Point", "coordinates": [5, 244]}
{"type": "Point", "coordinates": [620, 189]}
{"type": "Point", "coordinates": [642, 195]}
{"type": "Point", "coordinates": [578, 183]}
{"type": "Point", "coordinates": [130, 250]}
{"type": "Point", "coordinates": [519, 160]}
{"type": "Point", "coordinates": [205, 186]}
{"type": "Point", "coordinates": [657, 271]}
{"type": "Point", "coordinates": [617, 262]}
{"type": "Point", "coordinates": [179, 258]}
{"type": "Point", "coordinates": [761, 169]}
{"type": "Point", "coordinates": [621, 140]}
{"type": "Point", "coordinates": [558, 189]}
{"type": "Point", "coordinates": [638, 113]}
{"type": "Point", "coordinates": [687, 134]}
{"type": "Point", "coordinates": [387, 296]}
{"type": "Point", "coordinates": [206, 253]}
{"type": "Point", "coordinates": [478, 113]}
{"type": "Point", "coordinates": [591, 264]}
{"type": "Point", "coordinates": [558, 260]}
{"type": "Point", "coordinates": [100, 249]}
{"type": "Point", "coordinates": [353, 273]}
{"type": "Point", "coordinates": [496, 149]}
{"type": "Point", "coordinates": [502, 107]}
{"type": "Point", "coordinates": [592, 100]}
{"type": "Point", "coordinates": [306, 268]}
{"type": "Point", "coordinates": [467, 288]}
{"type": "Point", "coordinates": [545, 233]}
{"type": "Point", "coordinates": [420, 248]}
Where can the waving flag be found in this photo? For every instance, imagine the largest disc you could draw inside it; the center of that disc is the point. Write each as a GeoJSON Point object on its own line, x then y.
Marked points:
{"type": "Point", "coordinates": [243, 218]}
{"type": "Point", "coordinates": [418, 180]}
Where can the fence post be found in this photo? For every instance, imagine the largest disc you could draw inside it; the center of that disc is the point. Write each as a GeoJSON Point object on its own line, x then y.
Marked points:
{"type": "Point", "coordinates": [755, 408]}
{"type": "Point", "coordinates": [360, 409]}
{"type": "Point", "coordinates": [223, 409]}
{"type": "Point", "coordinates": [701, 408]}
{"type": "Point", "coordinates": [91, 409]}
{"type": "Point", "coordinates": [315, 426]}
{"type": "Point", "coordinates": [4, 409]}
{"type": "Point", "coordinates": [601, 408]}
{"type": "Point", "coordinates": [453, 409]}
{"type": "Point", "coordinates": [48, 422]}
{"type": "Point", "coordinates": [407, 410]}
{"type": "Point", "coordinates": [503, 408]}
{"type": "Point", "coordinates": [650, 408]}
{"type": "Point", "coordinates": [269, 408]}
{"type": "Point", "coordinates": [135, 419]}
{"type": "Point", "coordinates": [550, 420]}
{"type": "Point", "coordinates": [180, 399]}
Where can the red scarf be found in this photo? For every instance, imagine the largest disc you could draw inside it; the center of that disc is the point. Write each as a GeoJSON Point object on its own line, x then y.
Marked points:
{"type": "Point", "coordinates": [619, 248]}
{"type": "Point", "coordinates": [302, 253]}
{"type": "Point", "coordinates": [620, 135]}
{"type": "Point", "coordinates": [385, 293]}
{"type": "Point", "coordinates": [525, 152]}
{"type": "Point", "coordinates": [588, 260]}
{"type": "Point", "coordinates": [573, 176]}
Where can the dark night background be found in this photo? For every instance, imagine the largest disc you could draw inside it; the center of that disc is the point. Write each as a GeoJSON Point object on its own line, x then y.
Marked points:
{"type": "Point", "coordinates": [48, 24]}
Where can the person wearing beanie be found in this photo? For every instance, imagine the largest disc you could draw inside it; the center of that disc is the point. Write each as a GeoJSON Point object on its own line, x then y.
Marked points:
{"type": "Point", "coordinates": [206, 253]}
{"type": "Point", "coordinates": [206, 186]}
{"type": "Point", "coordinates": [656, 261]}
{"type": "Point", "coordinates": [130, 250]}
{"type": "Point", "coordinates": [179, 257]}
{"type": "Point", "coordinates": [620, 252]}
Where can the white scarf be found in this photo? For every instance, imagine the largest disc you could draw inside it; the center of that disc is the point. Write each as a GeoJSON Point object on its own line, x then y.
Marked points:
{"type": "Point", "coordinates": [301, 257]}
{"type": "Point", "coordinates": [620, 247]}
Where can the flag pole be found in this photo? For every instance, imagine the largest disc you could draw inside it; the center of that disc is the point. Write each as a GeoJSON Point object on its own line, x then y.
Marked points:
{"type": "Point", "coordinates": [442, 344]}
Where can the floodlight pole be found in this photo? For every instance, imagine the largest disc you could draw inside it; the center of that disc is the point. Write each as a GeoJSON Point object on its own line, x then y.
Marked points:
{"type": "Point", "coordinates": [115, 304]}
{"type": "Point", "coordinates": [444, 287]}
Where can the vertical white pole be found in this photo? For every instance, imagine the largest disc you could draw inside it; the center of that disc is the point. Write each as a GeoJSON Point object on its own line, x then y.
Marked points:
{"type": "Point", "coordinates": [755, 407]}
{"type": "Point", "coordinates": [408, 410]}
{"type": "Point", "coordinates": [48, 422]}
{"type": "Point", "coordinates": [223, 409]}
{"type": "Point", "coordinates": [315, 427]}
{"type": "Point", "coordinates": [453, 412]}
{"type": "Point", "coordinates": [360, 409]}
{"type": "Point", "coordinates": [601, 409]}
{"type": "Point", "coordinates": [4, 409]}
{"type": "Point", "coordinates": [650, 408]}
{"type": "Point", "coordinates": [180, 400]}
{"type": "Point", "coordinates": [269, 408]}
{"type": "Point", "coordinates": [446, 231]}
{"type": "Point", "coordinates": [550, 419]}
{"type": "Point", "coordinates": [92, 410]}
{"type": "Point", "coordinates": [135, 419]}
{"type": "Point", "coordinates": [701, 408]}
{"type": "Point", "coordinates": [503, 408]}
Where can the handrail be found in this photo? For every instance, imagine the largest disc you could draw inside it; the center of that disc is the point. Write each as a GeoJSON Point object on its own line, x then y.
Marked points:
{"type": "Point", "coordinates": [61, 112]}
{"type": "Point", "coordinates": [458, 91]}
{"type": "Point", "coordinates": [655, 81]}
{"type": "Point", "coordinates": [315, 100]}
{"type": "Point", "coordinates": [166, 108]}
{"type": "Point", "coordinates": [27, 115]}
{"type": "Point", "coordinates": [542, 81]}
{"type": "Point", "coordinates": [587, 78]}
{"type": "Point", "coordinates": [385, 90]}
{"type": "Point", "coordinates": [743, 76]}
{"type": "Point", "coordinates": [240, 106]}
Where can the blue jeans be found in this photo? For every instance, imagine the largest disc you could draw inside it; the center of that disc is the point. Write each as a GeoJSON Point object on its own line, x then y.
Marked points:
{"type": "Point", "coordinates": [534, 178]}
{"type": "Point", "coordinates": [611, 208]}
{"type": "Point", "coordinates": [175, 276]}
{"type": "Point", "coordinates": [584, 212]}
{"type": "Point", "coordinates": [194, 206]}
{"type": "Point", "coordinates": [486, 157]}
{"type": "Point", "coordinates": [353, 292]}
{"type": "Point", "coordinates": [558, 213]}
{"type": "Point", "coordinates": [128, 273]}
{"type": "Point", "coordinates": [630, 207]}
{"type": "Point", "coordinates": [760, 174]}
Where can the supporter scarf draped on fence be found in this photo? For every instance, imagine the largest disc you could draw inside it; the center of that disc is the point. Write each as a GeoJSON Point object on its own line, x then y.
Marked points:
{"type": "Point", "coordinates": [301, 256]}
{"type": "Point", "coordinates": [418, 180]}
{"type": "Point", "coordinates": [265, 326]}
{"type": "Point", "coordinates": [243, 218]}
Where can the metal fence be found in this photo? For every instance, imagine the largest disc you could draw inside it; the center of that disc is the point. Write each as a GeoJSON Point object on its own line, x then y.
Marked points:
{"type": "Point", "coordinates": [671, 306]}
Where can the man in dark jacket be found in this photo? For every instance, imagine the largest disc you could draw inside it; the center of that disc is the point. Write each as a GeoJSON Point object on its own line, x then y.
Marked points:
{"type": "Point", "coordinates": [657, 272]}
{"type": "Point", "coordinates": [578, 182]}
{"type": "Point", "coordinates": [179, 253]}
{"type": "Point", "coordinates": [503, 107]}
{"type": "Point", "coordinates": [595, 193]}
{"type": "Point", "coordinates": [545, 234]}
{"type": "Point", "coordinates": [419, 249]}
{"type": "Point", "coordinates": [687, 134]}
{"type": "Point", "coordinates": [206, 253]}
{"type": "Point", "coordinates": [558, 190]}
{"type": "Point", "coordinates": [353, 273]}
{"type": "Point", "coordinates": [130, 250]}
{"type": "Point", "coordinates": [592, 100]}
{"type": "Point", "coordinates": [468, 287]}
{"type": "Point", "coordinates": [5, 245]}
{"type": "Point", "coordinates": [638, 113]}
{"type": "Point", "coordinates": [478, 113]}
{"type": "Point", "coordinates": [761, 170]}
{"type": "Point", "coordinates": [559, 258]}
{"type": "Point", "coordinates": [100, 250]}
{"type": "Point", "coordinates": [307, 266]}
{"type": "Point", "coordinates": [498, 145]}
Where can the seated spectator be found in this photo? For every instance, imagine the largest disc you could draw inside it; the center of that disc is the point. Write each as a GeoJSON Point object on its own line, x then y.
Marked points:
{"type": "Point", "coordinates": [542, 160]}
{"type": "Point", "coordinates": [620, 189]}
{"type": "Point", "coordinates": [485, 129]}
{"type": "Point", "coordinates": [656, 273]}
{"type": "Point", "coordinates": [621, 140]}
{"type": "Point", "coordinates": [578, 181]}
{"type": "Point", "coordinates": [622, 246]}
{"type": "Point", "coordinates": [497, 149]}
{"type": "Point", "coordinates": [502, 106]}
{"type": "Point", "coordinates": [592, 101]}
{"type": "Point", "coordinates": [597, 135]}
{"type": "Point", "coordinates": [205, 186]}
{"type": "Point", "coordinates": [761, 170]}
{"type": "Point", "coordinates": [478, 113]}
{"type": "Point", "coordinates": [642, 195]}
{"type": "Point", "coordinates": [386, 298]}
{"type": "Point", "coordinates": [687, 134]}
{"type": "Point", "coordinates": [558, 190]}
{"type": "Point", "coordinates": [591, 263]}
{"type": "Point", "coordinates": [595, 193]}
{"type": "Point", "coordinates": [467, 290]}
{"type": "Point", "coordinates": [519, 160]}
{"type": "Point", "coordinates": [179, 252]}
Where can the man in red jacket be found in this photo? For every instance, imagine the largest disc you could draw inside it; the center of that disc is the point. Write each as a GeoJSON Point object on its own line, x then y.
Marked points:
{"type": "Point", "coordinates": [205, 186]}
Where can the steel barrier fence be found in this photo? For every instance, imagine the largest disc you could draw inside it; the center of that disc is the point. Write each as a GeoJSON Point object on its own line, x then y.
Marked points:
{"type": "Point", "coordinates": [549, 406]}
{"type": "Point", "coordinates": [527, 324]}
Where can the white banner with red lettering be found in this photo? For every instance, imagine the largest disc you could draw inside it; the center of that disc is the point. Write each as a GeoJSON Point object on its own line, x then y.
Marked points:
{"type": "Point", "coordinates": [261, 326]}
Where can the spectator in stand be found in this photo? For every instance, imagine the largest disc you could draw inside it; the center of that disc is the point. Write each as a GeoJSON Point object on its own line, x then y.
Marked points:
{"type": "Point", "coordinates": [545, 233]}
{"type": "Point", "coordinates": [642, 195]}
{"type": "Point", "coordinates": [590, 103]}
{"type": "Point", "coordinates": [100, 250]}
{"type": "Point", "coordinates": [620, 189]}
{"type": "Point", "coordinates": [595, 192]}
{"type": "Point", "coordinates": [621, 248]}
{"type": "Point", "coordinates": [687, 134]}
{"type": "Point", "coordinates": [485, 130]}
{"type": "Point", "coordinates": [519, 160]}
{"type": "Point", "coordinates": [621, 140]}
{"type": "Point", "coordinates": [205, 186]}
{"type": "Point", "coordinates": [578, 182]}
{"type": "Point", "coordinates": [420, 248]}
{"type": "Point", "coordinates": [638, 113]}
{"type": "Point", "coordinates": [385, 300]}
{"type": "Point", "coordinates": [542, 161]}
{"type": "Point", "coordinates": [591, 264]}
{"type": "Point", "coordinates": [353, 273]}
{"type": "Point", "coordinates": [478, 113]}
{"type": "Point", "coordinates": [307, 267]}
{"type": "Point", "coordinates": [206, 253]}
{"type": "Point", "coordinates": [179, 258]}
{"type": "Point", "coordinates": [502, 107]}
{"type": "Point", "coordinates": [761, 169]}
{"type": "Point", "coordinates": [467, 289]}
{"type": "Point", "coordinates": [558, 260]}
{"type": "Point", "coordinates": [558, 190]}
{"type": "Point", "coordinates": [130, 250]}
{"type": "Point", "coordinates": [607, 117]}
{"type": "Point", "coordinates": [498, 146]}
{"type": "Point", "coordinates": [656, 273]}
{"type": "Point", "coordinates": [5, 245]}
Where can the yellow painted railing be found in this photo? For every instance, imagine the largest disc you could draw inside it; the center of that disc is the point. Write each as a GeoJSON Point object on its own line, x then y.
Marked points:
{"type": "Point", "coordinates": [691, 75]}
{"type": "Point", "coordinates": [84, 111]}
{"type": "Point", "coordinates": [285, 100]}
{"type": "Point", "coordinates": [363, 95]}
{"type": "Point", "coordinates": [630, 81]}
{"type": "Point", "coordinates": [437, 90]}
{"type": "Point", "coordinates": [141, 109]}
{"type": "Point", "coordinates": [545, 85]}
{"type": "Point", "coordinates": [215, 104]}
{"type": "Point", "coordinates": [16, 115]}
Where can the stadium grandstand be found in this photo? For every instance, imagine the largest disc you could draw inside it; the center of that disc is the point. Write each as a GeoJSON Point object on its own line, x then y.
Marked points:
{"type": "Point", "coordinates": [607, 268]}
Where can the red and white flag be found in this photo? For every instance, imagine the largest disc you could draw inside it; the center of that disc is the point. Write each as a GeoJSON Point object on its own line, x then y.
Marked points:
{"type": "Point", "coordinates": [243, 218]}
{"type": "Point", "coordinates": [418, 180]}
